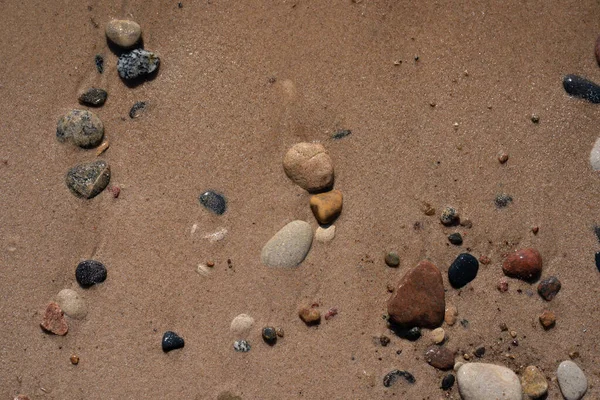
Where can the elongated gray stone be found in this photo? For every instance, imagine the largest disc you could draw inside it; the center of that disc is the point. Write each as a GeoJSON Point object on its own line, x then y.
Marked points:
{"type": "Point", "coordinates": [289, 246]}
{"type": "Point", "coordinates": [572, 381]}
{"type": "Point", "coordinates": [481, 381]}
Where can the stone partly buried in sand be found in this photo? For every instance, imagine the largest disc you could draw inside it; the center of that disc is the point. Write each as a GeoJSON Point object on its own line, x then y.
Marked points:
{"type": "Point", "coordinates": [93, 97]}
{"type": "Point", "coordinates": [309, 166]}
{"type": "Point", "coordinates": [137, 64]}
{"type": "Point", "coordinates": [595, 156]}
{"type": "Point", "coordinates": [326, 206]}
{"type": "Point", "coordinates": [87, 180]}
{"type": "Point", "coordinates": [533, 382]}
{"type": "Point", "coordinates": [72, 304]}
{"type": "Point", "coordinates": [54, 320]}
{"type": "Point", "coordinates": [480, 381]}
{"type": "Point", "coordinates": [310, 316]}
{"type": "Point", "coordinates": [572, 381]}
{"type": "Point", "coordinates": [525, 264]}
{"type": "Point", "coordinates": [440, 357]}
{"type": "Point", "coordinates": [123, 33]}
{"type": "Point", "coordinates": [289, 246]}
{"type": "Point", "coordinates": [81, 127]}
{"type": "Point", "coordinates": [419, 299]}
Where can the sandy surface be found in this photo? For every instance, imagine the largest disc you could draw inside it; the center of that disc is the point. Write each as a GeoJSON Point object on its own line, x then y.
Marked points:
{"type": "Point", "coordinates": [217, 120]}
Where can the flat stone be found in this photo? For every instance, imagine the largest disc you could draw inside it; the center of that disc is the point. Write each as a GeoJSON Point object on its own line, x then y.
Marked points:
{"type": "Point", "coordinates": [549, 287]}
{"type": "Point", "coordinates": [93, 97]}
{"type": "Point", "coordinates": [438, 335]}
{"type": "Point", "coordinates": [419, 299]}
{"type": "Point", "coordinates": [172, 341]}
{"type": "Point", "coordinates": [310, 316]}
{"type": "Point", "coordinates": [137, 64]}
{"type": "Point", "coordinates": [572, 381]}
{"type": "Point", "coordinates": [213, 202]}
{"type": "Point", "coordinates": [480, 381]}
{"type": "Point", "coordinates": [502, 200]}
{"type": "Point", "coordinates": [325, 233]}
{"type": "Point", "coordinates": [450, 315]}
{"type": "Point", "coordinates": [54, 321]}
{"type": "Point", "coordinates": [72, 303]}
{"type": "Point", "coordinates": [289, 246]}
{"type": "Point", "coordinates": [455, 238]}
{"type": "Point", "coordinates": [326, 207]}
{"type": "Point", "coordinates": [392, 259]}
{"type": "Point", "coordinates": [309, 166]}
{"type": "Point", "coordinates": [123, 33]}
{"type": "Point", "coordinates": [440, 357]}
{"type": "Point", "coordinates": [463, 270]}
{"type": "Point", "coordinates": [547, 319]}
{"type": "Point", "coordinates": [534, 382]}
{"type": "Point", "coordinates": [87, 180]}
{"type": "Point", "coordinates": [90, 272]}
{"type": "Point", "coordinates": [525, 264]}
{"type": "Point", "coordinates": [81, 127]}
{"type": "Point", "coordinates": [595, 156]}
{"type": "Point", "coordinates": [241, 325]}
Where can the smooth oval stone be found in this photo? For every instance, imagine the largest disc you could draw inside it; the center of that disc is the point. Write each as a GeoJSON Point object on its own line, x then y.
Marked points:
{"type": "Point", "coordinates": [137, 63]}
{"type": "Point", "coordinates": [534, 383]}
{"type": "Point", "coordinates": [172, 341]}
{"type": "Point", "coordinates": [213, 202]}
{"type": "Point", "coordinates": [309, 166]}
{"type": "Point", "coordinates": [463, 270]}
{"type": "Point", "coordinates": [81, 127]}
{"type": "Point", "coordinates": [440, 357]}
{"type": "Point", "coordinates": [87, 180]}
{"type": "Point", "coordinates": [572, 381]}
{"type": "Point", "coordinates": [289, 246]}
{"type": "Point", "coordinates": [449, 216]}
{"type": "Point", "coordinates": [123, 33]}
{"type": "Point", "coordinates": [447, 382]}
{"type": "Point", "coordinates": [595, 156]}
{"type": "Point", "coordinates": [392, 259]}
{"type": "Point", "coordinates": [580, 87]}
{"type": "Point", "coordinates": [93, 97]}
{"type": "Point", "coordinates": [480, 381]}
{"type": "Point", "coordinates": [90, 272]}
{"type": "Point", "coordinates": [524, 264]}
{"type": "Point", "coordinates": [241, 325]}
{"type": "Point", "coordinates": [72, 303]}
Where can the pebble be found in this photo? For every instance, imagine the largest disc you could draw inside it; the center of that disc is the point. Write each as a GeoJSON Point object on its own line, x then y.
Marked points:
{"type": "Point", "coordinates": [479, 351]}
{"type": "Point", "coordinates": [99, 61]}
{"type": "Point", "coordinates": [54, 321]}
{"type": "Point", "coordinates": [449, 216]}
{"type": "Point", "coordinates": [463, 270]}
{"type": "Point", "coordinates": [393, 376]}
{"type": "Point", "coordinates": [137, 63]}
{"type": "Point", "coordinates": [81, 127]}
{"type": "Point", "coordinates": [72, 303]}
{"type": "Point", "coordinates": [137, 109]}
{"type": "Point", "coordinates": [74, 359]}
{"type": "Point", "coordinates": [384, 340]}
{"type": "Point", "coordinates": [597, 50]}
{"type": "Point", "coordinates": [440, 357]}
{"type": "Point", "coordinates": [419, 300]}
{"type": "Point", "coordinates": [535, 118]}
{"type": "Point", "coordinates": [87, 180]}
{"type": "Point", "coordinates": [548, 288]}
{"type": "Point", "coordinates": [172, 341]}
{"type": "Point", "coordinates": [447, 382]}
{"type": "Point", "coordinates": [310, 316]}
{"type": "Point", "coordinates": [241, 325]}
{"type": "Point", "coordinates": [392, 259]}
{"type": "Point", "coordinates": [341, 133]}
{"type": "Point", "coordinates": [242, 346]}
{"type": "Point", "coordinates": [289, 246]}
{"type": "Point", "coordinates": [413, 334]}
{"type": "Point", "coordinates": [123, 33]}
{"type": "Point", "coordinates": [480, 381]}
{"type": "Point", "coordinates": [572, 381]}
{"type": "Point", "coordinates": [502, 157]}
{"type": "Point", "coordinates": [325, 233]}
{"type": "Point", "coordinates": [427, 209]}
{"type": "Point", "coordinates": [269, 334]}
{"type": "Point", "coordinates": [595, 156]}
{"type": "Point", "coordinates": [90, 272]}
{"type": "Point", "coordinates": [450, 315]}
{"type": "Point", "coordinates": [455, 238]}
{"type": "Point", "coordinates": [213, 202]}
{"type": "Point", "coordinates": [580, 87]}
{"type": "Point", "coordinates": [326, 206]}
{"type": "Point", "coordinates": [502, 285]}
{"type": "Point", "coordinates": [438, 335]}
{"type": "Point", "coordinates": [533, 382]}
{"type": "Point", "coordinates": [309, 166]}
{"type": "Point", "coordinates": [503, 200]}
{"type": "Point", "coordinates": [547, 319]}
{"type": "Point", "coordinates": [93, 97]}
{"type": "Point", "coordinates": [227, 395]}
{"type": "Point", "coordinates": [22, 397]}
{"type": "Point", "coordinates": [525, 264]}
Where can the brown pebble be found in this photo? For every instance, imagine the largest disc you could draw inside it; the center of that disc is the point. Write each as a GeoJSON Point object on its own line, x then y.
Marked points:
{"type": "Point", "coordinates": [280, 332]}
{"type": "Point", "coordinates": [384, 340]}
{"type": "Point", "coordinates": [503, 327]}
{"type": "Point", "coordinates": [427, 209]}
{"type": "Point", "coordinates": [74, 359]}
{"type": "Point", "coordinates": [102, 148]}
{"type": "Point", "coordinates": [310, 316]}
{"type": "Point", "coordinates": [390, 287]}
{"type": "Point", "coordinates": [485, 260]}
{"type": "Point", "coordinates": [597, 50]}
{"type": "Point", "coordinates": [573, 355]}
{"type": "Point", "coordinates": [502, 286]}
{"type": "Point", "coordinates": [22, 397]}
{"type": "Point", "coordinates": [525, 264]}
{"type": "Point", "coordinates": [440, 357]}
{"type": "Point", "coordinates": [547, 319]}
{"type": "Point", "coordinates": [548, 288]}
{"type": "Point", "coordinates": [502, 157]}
{"type": "Point", "coordinates": [467, 356]}
{"type": "Point", "coordinates": [54, 320]}
{"type": "Point", "coordinates": [210, 264]}
{"type": "Point", "coordinates": [513, 334]}
{"type": "Point", "coordinates": [115, 190]}
{"type": "Point", "coordinates": [450, 315]}
{"type": "Point", "coordinates": [535, 230]}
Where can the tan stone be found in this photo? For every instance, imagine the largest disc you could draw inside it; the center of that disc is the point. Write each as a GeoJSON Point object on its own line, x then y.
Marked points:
{"type": "Point", "coordinates": [309, 166]}
{"type": "Point", "coordinates": [326, 206]}
{"type": "Point", "coordinates": [450, 315]}
{"type": "Point", "coordinates": [547, 319]}
{"type": "Point", "coordinates": [123, 33]}
{"type": "Point", "coordinates": [438, 335]}
{"type": "Point", "coordinates": [533, 382]}
{"type": "Point", "coordinates": [54, 320]}
{"type": "Point", "coordinates": [310, 316]}
{"type": "Point", "coordinates": [325, 233]}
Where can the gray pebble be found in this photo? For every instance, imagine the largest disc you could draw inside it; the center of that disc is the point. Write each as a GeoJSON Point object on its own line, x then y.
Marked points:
{"type": "Point", "coordinates": [502, 200]}
{"type": "Point", "coordinates": [449, 216]}
{"type": "Point", "coordinates": [87, 180]}
{"type": "Point", "coordinates": [392, 259]}
{"type": "Point", "coordinates": [137, 63]}
{"type": "Point", "coordinates": [572, 381]}
{"type": "Point", "coordinates": [213, 202]}
{"type": "Point", "coordinates": [93, 97]}
{"type": "Point", "coordinates": [241, 346]}
{"type": "Point", "coordinates": [81, 127]}
{"type": "Point", "coordinates": [289, 246]}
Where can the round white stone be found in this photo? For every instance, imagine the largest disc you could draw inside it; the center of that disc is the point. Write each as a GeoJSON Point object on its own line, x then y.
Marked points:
{"type": "Point", "coordinates": [123, 33]}
{"type": "Point", "coordinates": [241, 325]}
{"type": "Point", "coordinates": [572, 381]}
{"type": "Point", "coordinates": [480, 381]}
{"type": "Point", "coordinates": [289, 246]}
{"type": "Point", "coordinates": [325, 233]}
{"type": "Point", "coordinates": [71, 303]}
{"type": "Point", "coordinates": [595, 156]}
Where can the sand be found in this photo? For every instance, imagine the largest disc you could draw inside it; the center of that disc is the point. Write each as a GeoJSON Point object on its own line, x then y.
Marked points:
{"type": "Point", "coordinates": [239, 83]}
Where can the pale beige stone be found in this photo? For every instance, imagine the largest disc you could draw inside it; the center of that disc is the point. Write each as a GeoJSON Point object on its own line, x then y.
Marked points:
{"type": "Point", "coordinates": [450, 315]}
{"type": "Point", "coordinates": [325, 233]}
{"type": "Point", "coordinates": [123, 33]}
{"type": "Point", "coordinates": [72, 304]}
{"type": "Point", "coordinates": [309, 166]}
{"type": "Point", "coordinates": [438, 335]}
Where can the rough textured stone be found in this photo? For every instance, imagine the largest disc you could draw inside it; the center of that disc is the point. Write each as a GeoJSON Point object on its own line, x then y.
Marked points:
{"type": "Point", "coordinates": [123, 33]}
{"type": "Point", "coordinates": [81, 127]}
{"type": "Point", "coordinates": [310, 316]}
{"type": "Point", "coordinates": [463, 270]}
{"type": "Point", "coordinates": [419, 299]}
{"type": "Point", "coordinates": [213, 202]}
{"type": "Point", "coordinates": [438, 335]}
{"type": "Point", "coordinates": [137, 109]}
{"type": "Point", "coordinates": [54, 321]}
{"type": "Point", "coordinates": [440, 357]}
{"type": "Point", "coordinates": [242, 346]}
{"type": "Point", "coordinates": [137, 64]}
{"type": "Point", "coordinates": [525, 264]}
{"type": "Point", "coordinates": [547, 319]}
{"type": "Point", "coordinates": [72, 303]}
{"type": "Point", "coordinates": [572, 381]}
{"type": "Point", "coordinates": [309, 166]}
{"type": "Point", "coordinates": [93, 97]}
{"type": "Point", "coordinates": [172, 341]}
{"type": "Point", "coordinates": [450, 315]}
{"type": "Point", "coordinates": [87, 180]}
{"type": "Point", "coordinates": [241, 325]}
{"type": "Point", "coordinates": [289, 246]}
{"type": "Point", "coordinates": [326, 206]}
{"type": "Point", "coordinates": [325, 233]}
{"type": "Point", "coordinates": [449, 216]}
{"type": "Point", "coordinates": [480, 381]}
{"type": "Point", "coordinates": [90, 272]}
{"type": "Point", "coordinates": [533, 382]}
{"type": "Point", "coordinates": [548, 288]}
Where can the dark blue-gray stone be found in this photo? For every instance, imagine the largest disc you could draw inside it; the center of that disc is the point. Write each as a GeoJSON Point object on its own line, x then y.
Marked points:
{"type": "Point", "coordinates": [137, 63]}
{"type": "Point", "coordinates": [447, 382]}
{"type": "Point", "coordinates": [598, 261]}
{"type": "Point", "coordinates": [172, 341]}
{"type": "Point", "coordinates": [213, 202]}
{"type": "Point", "coordinates": [463, 270]}
{"type": "Point", "coordinates": [580, 87]}
{"type": "Point", "coordinates": [393, 376]}
{"type": "Point", "coordinates": [90, 272]}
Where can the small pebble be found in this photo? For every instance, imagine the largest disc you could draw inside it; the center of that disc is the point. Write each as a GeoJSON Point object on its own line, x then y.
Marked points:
{"type": "Point", "coordinates": [572, 381]}
{"type": "Point", "coordinates": [598, 261]}
{"type": "Point", "coordinates": [465, 323]}
{"type": "Point", "coordinates": [525, 264]}
{"type": "Point", "coordinates": [81, 127]}
{"type": "Point", "coordinates": [503, 327]}
{"type": "Point", "coordinates": [87, 180]}
{"type": "Point", "coordinates": [463, 270]}
{"type": "Point", "coordinates": [225, 395]}
{"type": "Point", "coordinates": [535, 230]}
{"type": "Point", "coordinates": [455, 238]}
{"type": "Point", "coordinates": [450, 315]}
{"type": "Point", "coordinates": [502, 157]}
{"type": "Point", "coordinates": [392, 259]}
{"type": "Point", "coordinates": [213, 202]}
{"type": "Point", "coordinates": [123, 33]}
{"type": "Point", "coordinates": [99, 62]}
{"type": "Point", "coordinates": [547, 319]}
{"type": "Point", "coordinates": [269, 334]}
{"type": "Point", "coordinates": [326, 207]}
{"type": "Point", "coordinates": [503, 200]}
{"type": "Point", "coordinates": [74, 359]}
{"type": "Point", "coordinates": [90, 272]}
{"type": "Point", "coordinates": [241, 325]}
{"type": "Point", "coordinates": [137, 109]}
{"type": "Point", "coordinates": [413, 334]}
{"type": "Point", "coordinates": [54, 321]}
{"type": "Point", "coordinates": [332, 312]}
{"type": "Point", "coordinates": [93, 97]}
{"type": "Point", "coordinates": [449, 216]}
{"type": "Point", "coordinates": [580, 87]}
{"type": "Point", "coordinates": [325, 234]}
{"type": "Point", "coordinates": [595, 156]}
{"type": "Point", "coordinates": [597, 50]}
{"type": "Point", "coordinates": [485, 260]}
{"type": "Point", "coordinates": [533, 382]}
{"type": "Point", "coordinates": [393, 376]}
{"type": "Point", "coordinates": [479, 351]}
{"type": "Point", "coordinates": [137, 63]}
{"type": "Point", "coordinates": [71, 303]}
{"type": "Point", "coordinates": [438, 335]}
{"type": "Point", "coordinates": [427, 209]}
{"type": "Point", "coordinates": [310, 316]}
{"type": "Point", "coordinates": [172, 341]}
{"type": "Point", "coordinates": [309, 166]}
{"type": "Point", "coordinates": [22, 397]}
{"type": "Point", "coordinates": [502, 285]}
{"type": "Point", "coordinates": [466, 223]}
{"type": "Point", "coordinates": [548, 288]}
{"type": "Point", "coordinates": [513, 334]}
{"type": "Point", "coordinates": [573, 355]}
{"type": "Point", "coordinates": [535, 119]}
{"type": "Point", "coordinates": [341, 133]}
{"type": "Point", "coordinates": [241, 346]}
{"type": "Point", "coordinates": [280, 332]}
{"type": "Point", "coordinates": [447, 382]}
{"type": "Point", "coordinates": [440, 357]}
{"type": "Point", "coordinates": [384, 340]}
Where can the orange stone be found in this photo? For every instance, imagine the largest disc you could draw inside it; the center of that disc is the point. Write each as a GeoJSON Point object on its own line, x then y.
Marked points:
{"type": "Point", "coordinates": [326, 206]}
{"type": "Point", "coordinates": [525, 264]}
{"type": "Point", "coordinates": [547, 319]}
{"type": "Point", "coordinates": [54, 320]}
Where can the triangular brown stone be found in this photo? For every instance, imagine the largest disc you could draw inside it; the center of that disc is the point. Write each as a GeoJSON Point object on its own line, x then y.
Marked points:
{"type": "Point", "coordinates": [419, 299]}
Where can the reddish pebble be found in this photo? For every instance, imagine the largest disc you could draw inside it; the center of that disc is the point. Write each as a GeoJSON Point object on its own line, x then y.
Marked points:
{"type": "Point", "coordinates": [332, 312]}
{"type": "Point", "coordinates": [54, 320]}
{"type": "Point", "coordinates": [502, 285]}
{"type": "Point", "coordinates": [440, 357]}
{"type": "Point", "coordinates": [525, 264]}
{"type": "Point", "coordinates": [115, 190]}
{"type": "Point", "coordinates": [74, 359]}
{"type": "Point", "coordinates": [485, 260]}
{"type": "Point", "coordinates": [502, 157]}
{"type": "Point", "coordinates": [549, 287]}
{"type": "Point", "coordinates": [547, 319]}
{"type": "Point", "coordinates": [535, 230]}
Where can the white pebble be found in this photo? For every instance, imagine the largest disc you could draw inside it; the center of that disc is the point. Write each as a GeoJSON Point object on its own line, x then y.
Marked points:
{"type": "Point", "coordinates": [216, 236]}
{"type": "Point", "coordinates": [595, 156]}
{"type": "Point", "coordinates": [480, 381]}
{"type": "Point", "coordinates": [71, 303]}
{"type": "Point", "coordinates": [241, 325]}
{"type": "Point", "coordinates": [325, 233]}
{"type": "Point", "coordinates": [572, 381]}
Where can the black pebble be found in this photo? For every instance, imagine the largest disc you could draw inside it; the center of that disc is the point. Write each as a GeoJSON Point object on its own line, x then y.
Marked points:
{"type": "Point", "coordinates": [90, 272]}
{"type": "Point", "coordinates": [597, 232]}
{"type": "Point", "coordinates": [447, 382]}
{"type": "Point", "coordinates": [172, 341]}
{"type": "Point", "coordinates": [463, 270]}
{"type": "Point", "coordinates": [99, 60]}
{"type": "Point", "coordinates": [455, 238]}
{"type": "Point", "coordinates": [393, 375]}
{"type": "Point", "coordinates": [582, 88]}
{"type": "Point", "coordinates": [342, 133]}
{"type": "Point", "coordinates": [479, 352]}
{"type": "Point", "coordinates": [269, 335]}
{"type": "Point", "coordinates": [213, 202]}
{"type": "Point", "coordinates": [598, 261]}
{"type": "Point", "coordinates": [137, 109]}
{"type": "Point", "coordinates": [413, 333]}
